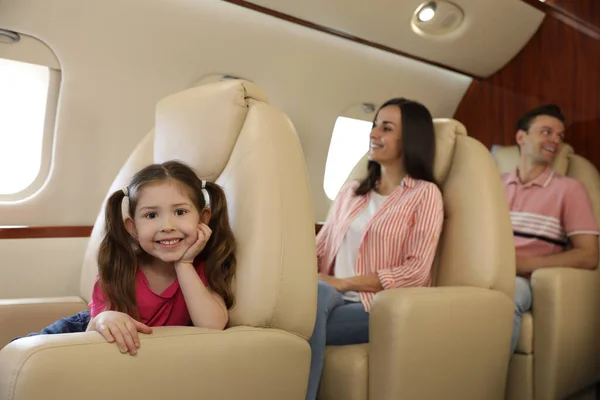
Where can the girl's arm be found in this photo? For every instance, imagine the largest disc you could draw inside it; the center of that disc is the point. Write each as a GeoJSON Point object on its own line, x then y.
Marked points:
{"type": "Point", "coordinates": [207, 309]}
{"type": "Point", "coordinates": [115, 326]}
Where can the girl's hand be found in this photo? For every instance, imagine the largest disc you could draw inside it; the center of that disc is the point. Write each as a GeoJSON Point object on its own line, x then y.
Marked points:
{"type": "Point", "coordinates": [204, 233]}
{"type": "Point", "coordinates": [120, 328]}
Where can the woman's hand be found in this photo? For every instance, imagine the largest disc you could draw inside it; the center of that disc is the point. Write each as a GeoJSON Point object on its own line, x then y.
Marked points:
{"type": "Point", "coordinates": [337, 283]}
{"type": "Point", "coordinates": [204, 233]}
{"type": "Point", "coordinates": [120, 328]}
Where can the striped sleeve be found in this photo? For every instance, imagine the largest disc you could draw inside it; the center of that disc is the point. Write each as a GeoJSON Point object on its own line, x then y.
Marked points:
{"type": "Point", "coordinates": [322, 237]}
{"type": "Point", "coordinates": [324, 234]}
{"type": "Point", "coordinates": [421, 245]}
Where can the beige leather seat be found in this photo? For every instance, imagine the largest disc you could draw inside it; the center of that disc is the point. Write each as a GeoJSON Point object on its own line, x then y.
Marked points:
{"type": "Point", "coordinates": [229, 134]}
{"type": "Point", "coordinates": [451, 341]}
{"type": "Point", "coordinates": [558, 353]}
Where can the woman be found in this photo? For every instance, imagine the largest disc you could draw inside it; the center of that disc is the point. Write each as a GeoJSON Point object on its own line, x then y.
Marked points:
{"type": "Point", "coordinates": [382, 232]}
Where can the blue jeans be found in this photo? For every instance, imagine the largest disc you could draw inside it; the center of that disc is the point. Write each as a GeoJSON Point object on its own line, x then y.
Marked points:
{"type": "Point", "coordinates": [339, 322]}
{"type": "Point", "coordinates": [74, 323]}
{"type": "Point", "coordinates": [523, 299]}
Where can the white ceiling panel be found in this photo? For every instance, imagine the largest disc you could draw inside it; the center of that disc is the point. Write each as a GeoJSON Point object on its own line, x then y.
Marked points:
{"type": "Point", "coordinates": [491, 34]}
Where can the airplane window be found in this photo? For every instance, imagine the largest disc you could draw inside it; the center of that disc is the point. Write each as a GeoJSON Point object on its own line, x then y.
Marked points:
{"type": "Point", "coordinates": [349, 143]}
{"type": "Point", "coordinates": [22, 116]}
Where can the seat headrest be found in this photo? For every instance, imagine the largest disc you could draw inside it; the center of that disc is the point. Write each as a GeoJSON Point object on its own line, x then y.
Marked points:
{"type": "Point", "coordinates": [446, 130]}
{"type": "Point", "coordinates": [220, 108]}
{"type": "Point", "coordinates": [507, 158]}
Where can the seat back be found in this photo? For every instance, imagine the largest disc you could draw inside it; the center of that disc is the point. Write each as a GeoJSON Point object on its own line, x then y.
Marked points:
{"type": "Point", "coordinates": [476, 245]}
{"type": "Point", "coordinates": [565, 334]}
{"type": "Point", "coordinates": [507, 158]}
{"type": "Point", "coordinates": [228, 133]}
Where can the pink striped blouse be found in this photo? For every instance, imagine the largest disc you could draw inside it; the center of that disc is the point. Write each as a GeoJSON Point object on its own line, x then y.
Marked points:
{"type": "Point", "coordinates": [398, 243]}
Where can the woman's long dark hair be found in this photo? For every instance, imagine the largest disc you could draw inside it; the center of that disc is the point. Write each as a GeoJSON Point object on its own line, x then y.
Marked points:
{"type": "Point", "coordinates": [418, 144]}
{"type": "Point", "coordinates": [119, 253]}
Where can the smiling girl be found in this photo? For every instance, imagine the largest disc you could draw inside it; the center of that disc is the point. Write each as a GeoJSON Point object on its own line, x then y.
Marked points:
{"type": "Point", "coordinates": [170, 262]}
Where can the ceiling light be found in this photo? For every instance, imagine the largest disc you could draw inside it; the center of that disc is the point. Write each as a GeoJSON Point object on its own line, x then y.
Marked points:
{"type": "Point", "coordinates": [435, 18]}
{"type": "Point", "coordinates": [426, 12]}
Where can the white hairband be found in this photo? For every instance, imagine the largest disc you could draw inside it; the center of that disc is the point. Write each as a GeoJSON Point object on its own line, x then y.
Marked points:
{"type": "Point", "coordinates": [125, 191]}
{"type": "Point", "coordinates": [205, 194]}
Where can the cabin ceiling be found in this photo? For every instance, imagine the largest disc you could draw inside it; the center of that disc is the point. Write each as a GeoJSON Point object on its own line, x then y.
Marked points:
{"type": "Point", "coordinates": [491, 34]}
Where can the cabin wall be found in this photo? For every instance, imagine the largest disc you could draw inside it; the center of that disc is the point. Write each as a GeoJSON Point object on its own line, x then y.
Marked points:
{"type": "Point", "coordinates": [114, 74]}
{"type": "Point", "coordinates": [559, 65]}
{"type": "Point", "coordinates": [118, 59]}
{"type": "Point", "coordinates": [45, 267]}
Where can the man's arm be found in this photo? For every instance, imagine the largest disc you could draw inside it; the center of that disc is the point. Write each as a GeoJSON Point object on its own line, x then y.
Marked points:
{"type": "Point", "coordinates": [584, 255]}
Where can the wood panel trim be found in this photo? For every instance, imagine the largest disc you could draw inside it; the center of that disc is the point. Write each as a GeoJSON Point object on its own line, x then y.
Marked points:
{"type": "Point", "coordinates": [318, 226]}
{"type": "Point", "coordinates": [566, 17]}
{"type": "Point", "coordinates": [37, 232]}
{"type": "Point", "coordinates": [537, 4]}
{"type": "Point", "coordinates": [343, 35]}
{"type": "Point", "coordinates": [490, 108]}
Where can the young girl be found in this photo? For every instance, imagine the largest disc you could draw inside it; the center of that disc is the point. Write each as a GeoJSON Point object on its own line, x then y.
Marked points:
{"type": "Point", "coordinates": [171, 262]}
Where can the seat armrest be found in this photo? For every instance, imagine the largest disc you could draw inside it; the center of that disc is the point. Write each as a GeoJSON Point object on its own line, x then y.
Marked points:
{"type": "Point", "coordinates": [566, 310]}
{"type": "Point", "coordinates": [172, 362]}
{"type": "Point", "coordinates": [18, 317]}
{"type": "Point", "coordinates": [457, 337]}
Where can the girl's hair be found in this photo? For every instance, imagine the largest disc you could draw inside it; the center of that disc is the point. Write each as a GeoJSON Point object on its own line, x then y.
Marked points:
{"type": "Point", "coordinates": [119, 253]}
{"type": "Point", "coordinates": [418, 144]}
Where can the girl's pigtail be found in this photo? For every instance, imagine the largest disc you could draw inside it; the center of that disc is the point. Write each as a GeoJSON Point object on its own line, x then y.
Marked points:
{"type": "Point", "coordinates": [220, 249]}
{"type": "Point", "coordinates": [117, 267]}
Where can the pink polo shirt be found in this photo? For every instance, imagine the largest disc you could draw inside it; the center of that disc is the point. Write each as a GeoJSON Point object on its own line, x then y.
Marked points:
{"type": "Point", "coordinates": [165, 309]}
{"type": "Point", "coordinates": [547, 211]}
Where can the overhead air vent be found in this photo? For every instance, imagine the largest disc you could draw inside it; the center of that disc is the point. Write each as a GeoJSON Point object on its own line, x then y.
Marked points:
{"type": "Point", "coordinates": [212, 78]}
{"type": "Point", "coordinates": [368, 108]}
{"type": "Point", "coordinates": [229, 78]}
{"type": "Point", "coordinates": [437, 18]}
{"type": "Point", "coordinates": [9, 37]}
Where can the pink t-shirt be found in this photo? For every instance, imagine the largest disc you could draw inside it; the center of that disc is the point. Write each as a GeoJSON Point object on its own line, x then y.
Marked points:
{"type": "Point", "coordinates": [547, 211]}
{"type": "Point", "coordinates": [165, 309]}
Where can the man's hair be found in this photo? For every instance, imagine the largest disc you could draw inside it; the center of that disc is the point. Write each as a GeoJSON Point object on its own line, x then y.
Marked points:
{"type": "Point", "coordinates": [551, 110]}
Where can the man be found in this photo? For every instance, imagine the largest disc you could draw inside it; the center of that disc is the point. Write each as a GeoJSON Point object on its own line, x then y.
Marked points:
{"type": "Point", "coordinates": [551, 214]}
